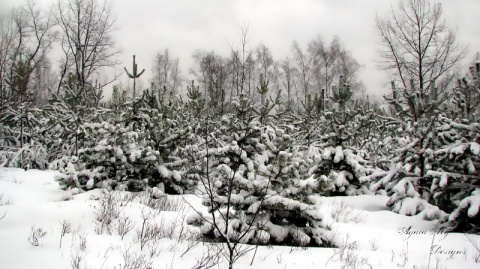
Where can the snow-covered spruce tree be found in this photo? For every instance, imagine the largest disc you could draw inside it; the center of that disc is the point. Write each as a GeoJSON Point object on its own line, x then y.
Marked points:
{"type": "Point", "coordinates": [256, 186]}
{"type": "Point", "coordinates": [112, 157]}
{"type": "Point", "coordinates": [183, 162]}
{"type": "Point", "coordinates": [307, 122]}
{"type": "Point", "coordinates": [267, 107]}
{"type": "Point", "coordinates": [455, 175]}
{"type": "Point", "coordinates": [217, 165]}
{"type": "Point", "coordinates": [70, 107]}
{"type": "Point", "coordinates": [466, 96]}
{"type": "Point", "coordinates": [164, 127]}
{"type": "Point", "coordinates": [434, 169]}
{"type": "Point", "coordinates": [409, 147]}
{"type": "Point", "coordinates": [69, 111]}
{"type": "Point", "coordinates": [350, 123]}
{"type": "Point", "coordinates": [290, 217]}
{"type": "Point", "coordinates": [22, 142]}
{"type": "Point", "coordinates": [346, 168]}
{"type": "Point", "coordinates": [450, 171]}
{"type": "Point", "coordinates": [196, 102]}
{"type": "Point", "coordinates": [53, 131]}
{"type": "Point", "coordinates": [65, 137]}
{"type": "Point", "coordinates": [339, 140]}
{"type": "Point", "coordinates": [118, 104]}
{"type": "Point", "coordinates": [411, 154]}
{"type": "Point", "coordinates": [21, 121]}
{"type": "Point", "coordinates": [134, 152]}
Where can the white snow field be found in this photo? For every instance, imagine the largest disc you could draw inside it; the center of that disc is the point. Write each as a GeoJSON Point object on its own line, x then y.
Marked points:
{"type": "Point", "coordinates": [34, 211]}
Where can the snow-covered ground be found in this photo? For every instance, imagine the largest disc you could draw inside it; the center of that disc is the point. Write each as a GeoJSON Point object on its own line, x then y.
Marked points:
{"type": "Point", "coordinates": [372, 236]}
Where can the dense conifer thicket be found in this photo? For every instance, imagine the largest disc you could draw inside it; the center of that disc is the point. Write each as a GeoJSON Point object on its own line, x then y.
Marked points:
{"type": "Point", "coordinates": [429, 166]}
{"type": "Point", "coordinates": [255, 146]}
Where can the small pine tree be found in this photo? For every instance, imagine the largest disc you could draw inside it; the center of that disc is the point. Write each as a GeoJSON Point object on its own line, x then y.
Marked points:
{"type": "Point", "coordinates": [455, 177]}
{"type": "Point", "coordinates": [256, 186]}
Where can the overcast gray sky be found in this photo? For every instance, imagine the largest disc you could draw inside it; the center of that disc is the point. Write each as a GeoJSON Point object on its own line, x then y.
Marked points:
{"type": "Point", "coordinates": [184, 26]}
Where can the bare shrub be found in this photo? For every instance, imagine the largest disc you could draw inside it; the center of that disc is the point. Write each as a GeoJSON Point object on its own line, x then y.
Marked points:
{"type": "Point", "coordinates": [77, 258]}
{"type": "Point", "coordinates": [373, 244]}
{"type": "Point", "coordinates": [437, 264]}
{"type": "Point", "coordinates": [280, 257]}
{"type": "Point", "coordinates": [65, 228]}
{"type": "Point", "coordinates": [171, 203]}
{"type": "Point", "coordinates": [134, 260]}
{"type": "Point", "coordinates": [124, 225]}
{"type": "Point", "coordinates": [4, 200]}
{"type": "Point", "coordinates": [182, 233]}
{"type": "Point", "coordinates": [210, 257]}
{"type": "Point", "coordinates": [170, 230]}
{"type": "Point", "coordinates": [153, 249]}
{"type": "Point", "coordinates": [193, 240]}
{"type": "Point", "coordinates": [149, 230]}
{"type": "Point", "coordinates": [83, 242]}
{"type": "Point", "coordinates": [348, 256]}
{"type": "Point", "coordinates": [403, 257]}
{"type": "Point", "coordinates": [153, 229]}
{"type": "Point", "coordinates": [107, 211]}
{"type": "Point", "coordinates": [164, 203]}
{"type": "Point", "coordinates": [110, 206]}
{"type": "Point", "coordinates": [476, 245]}
{"type": "Point", "coordinates": [126, 199]}
{"type": "Point", "coordinates": [35, 235]}
{"type": "Point", "coordinates": [344, 214]}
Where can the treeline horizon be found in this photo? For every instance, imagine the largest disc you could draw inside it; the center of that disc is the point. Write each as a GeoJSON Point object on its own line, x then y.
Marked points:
{"type": "Point", "coordinates": [30, 33]}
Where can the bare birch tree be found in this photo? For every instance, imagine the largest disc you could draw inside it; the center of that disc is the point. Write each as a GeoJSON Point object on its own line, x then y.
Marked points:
{"type": "Point", "coordinates": [287, 76]}
{"type": "Point", "coordinates": [418, 49]}
{"type": "Point", "coordinates": [302, 62]}
{"type": "Point", "coordinates": [27, 36]}
{"type": "Point", "coordinates": [87, 41]}
{"type": "Point", "coordinates": [167, 73]}
{"type": "Point", "coordinates": [323, 62]}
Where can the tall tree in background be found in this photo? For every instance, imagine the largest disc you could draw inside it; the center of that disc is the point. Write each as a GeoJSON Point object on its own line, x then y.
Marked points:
{"type": "Point", "coordinates": [348, 67]}
{"type": "Point", "coordinates": [87, 42]}
{"type": "Point", "coordinates": [321, 65]}
{"type": "Point", "coordinates": [265, 61]}
{"type": "Point", "coordinates": [419, 50]}
{"type": "Point", "coordinates": [303, 66]}
{"type": "Point", "coordinates": [27, 36]}
{"type": "Point", "coordinates": [44, 80]}
{"type": "Point", "coordinates": [212, 75]}
{"type": "Point", "coordinates": [166, 73]}
{"type": "Point", "coordinates": [287, 75]}
{"type": "Point", "coordinates": [7, 45]}
{"type": "Point", "coordinates": [323, 62]}
{"type": "Point", "coordinates": [268, 70]}
{"type": "Point", "coordinates": [242, 63]}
